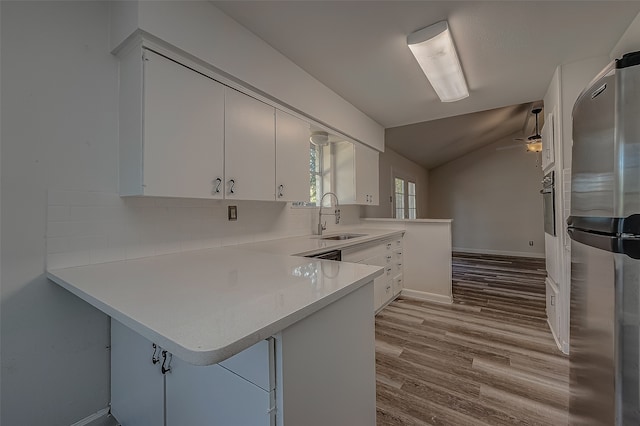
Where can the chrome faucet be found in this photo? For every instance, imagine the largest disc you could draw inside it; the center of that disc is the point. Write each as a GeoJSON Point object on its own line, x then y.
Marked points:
{"type": "Point", "coordinates": [336, 213]}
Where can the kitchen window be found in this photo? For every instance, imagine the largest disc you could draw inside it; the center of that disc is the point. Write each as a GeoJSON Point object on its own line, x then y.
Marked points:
{"type": "Point", "coordinates": [405, 199]}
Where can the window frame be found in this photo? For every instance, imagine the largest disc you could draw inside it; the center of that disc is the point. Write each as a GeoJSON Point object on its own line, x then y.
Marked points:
{"type": "Point", "coordinates": [406, 209]}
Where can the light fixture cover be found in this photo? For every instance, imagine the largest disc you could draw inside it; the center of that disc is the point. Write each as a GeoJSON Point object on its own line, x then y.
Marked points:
{"type": "Point", "coordinates": [434, 50]}
{"type": "Point", "coordinates": [534, 145]}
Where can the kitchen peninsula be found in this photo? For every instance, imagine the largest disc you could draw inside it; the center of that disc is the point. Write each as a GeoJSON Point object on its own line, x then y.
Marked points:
{"type": "Point", "coordinates": [232, 336]}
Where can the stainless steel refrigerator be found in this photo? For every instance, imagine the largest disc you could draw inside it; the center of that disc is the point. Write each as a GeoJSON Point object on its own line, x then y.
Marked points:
{"type": "Point", "coordinates": [605, 230]}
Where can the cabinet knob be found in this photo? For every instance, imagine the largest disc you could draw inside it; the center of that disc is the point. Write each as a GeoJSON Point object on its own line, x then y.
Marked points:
{"type": "Point", "coordinates": [232, 184]}
{"type": "Point", "coordinates": [280, 191]}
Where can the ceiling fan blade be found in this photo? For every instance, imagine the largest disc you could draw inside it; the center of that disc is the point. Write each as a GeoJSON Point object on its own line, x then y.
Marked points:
{"type": "Point", "coordinates": [517, 145]}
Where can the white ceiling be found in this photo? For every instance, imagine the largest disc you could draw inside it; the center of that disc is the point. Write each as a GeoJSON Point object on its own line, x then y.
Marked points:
{"type": "Point", "coordinates": [432, 143]}
{"type": "Point", "coordinates": [509, 51]}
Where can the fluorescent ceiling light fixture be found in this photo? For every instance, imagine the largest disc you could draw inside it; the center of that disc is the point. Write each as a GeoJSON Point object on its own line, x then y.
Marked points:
{"type": "Point", "coordinates": [433, 48]}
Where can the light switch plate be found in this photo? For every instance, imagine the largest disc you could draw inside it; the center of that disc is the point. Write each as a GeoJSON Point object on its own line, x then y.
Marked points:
{"type": "Point", "coordinates": [233, 212]}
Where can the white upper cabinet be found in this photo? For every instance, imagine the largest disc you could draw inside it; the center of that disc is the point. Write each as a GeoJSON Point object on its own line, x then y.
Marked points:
{"type": "Point", "coordinates": [356, 174]}
{"type": "Point", "coordinates": [171, 129]}
{"type": "Point", "coordinates": [548, 142]}
{"type": "Point", "coordinates": [292, 158]}
{"type": "Point", "coordinates": [367, 190]}
{"type": "Point", "coordinates": [249, 148]}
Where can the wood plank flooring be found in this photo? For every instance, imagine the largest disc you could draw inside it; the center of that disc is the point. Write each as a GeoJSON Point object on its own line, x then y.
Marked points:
{"type": "Point", "coordinates": [487, 359]}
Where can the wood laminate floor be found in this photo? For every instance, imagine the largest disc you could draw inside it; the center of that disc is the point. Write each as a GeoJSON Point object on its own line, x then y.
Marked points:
{"type": "Point", "coordinates": [487, 359]}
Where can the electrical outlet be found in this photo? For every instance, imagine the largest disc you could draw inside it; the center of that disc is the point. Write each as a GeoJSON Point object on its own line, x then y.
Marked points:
{"type": "Point", "coordinates": [233, 212]}
{"type": "Point", "coordinates": [531, 243]}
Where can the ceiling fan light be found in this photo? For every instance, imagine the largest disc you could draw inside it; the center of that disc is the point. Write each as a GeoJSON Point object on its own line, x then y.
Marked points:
{"type": "Point", "coordinates": [534, 146]}
{"type": "Point", "coordinates": [434, 50]}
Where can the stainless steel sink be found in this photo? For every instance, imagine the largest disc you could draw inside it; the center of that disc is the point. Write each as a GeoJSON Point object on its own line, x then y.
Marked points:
{"type": "Point", "coordinates": [342, 236]}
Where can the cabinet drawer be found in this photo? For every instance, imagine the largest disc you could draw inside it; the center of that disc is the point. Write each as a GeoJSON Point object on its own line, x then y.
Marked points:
{"type": "Point", "coordinates": [397, 284]}
{"type": "Point", "coordinates": [397, 243]}
{"type": "Point", "coordinates": [212, 395]}
{"type": "Point", "coordinates": [253, 364]}
{"type": "Point", "coordinates": [397, 254]}
{"type": "Point", "coordinates": [366, 251]}
{"type": "Point", "coordinates": [397, 267]}
{"type": "Point", "coordinates": [383, 291]}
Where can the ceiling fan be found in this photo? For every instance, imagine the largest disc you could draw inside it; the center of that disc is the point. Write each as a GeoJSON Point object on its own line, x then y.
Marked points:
{"type": "Point", "coordinates": [534, 142]}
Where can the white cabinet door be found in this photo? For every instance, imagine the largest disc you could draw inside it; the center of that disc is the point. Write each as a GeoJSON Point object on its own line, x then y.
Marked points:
{"type": "Point", "coordinates": [367, 191]}
{"type": "Point", "coordinates": [183, 130]}
{"type": "Point", "coordinates": [213, 395]}
{"type": "Point", "coordinates": [292, 158]}
{"type": "Point", "coordinates": [250, 153]}
{"type": "Point", "coordinates": [137, 385]}
{"type": "Point", "coordinates": [356, 173]}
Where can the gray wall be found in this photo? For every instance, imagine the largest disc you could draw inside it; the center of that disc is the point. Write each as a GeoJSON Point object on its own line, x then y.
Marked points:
{"type": "Point", "coordinates": [389, 164]}
{"type": "Point", "coordinates": [492, 196]}
{"type": "Point", "coordinates": [59, 122]}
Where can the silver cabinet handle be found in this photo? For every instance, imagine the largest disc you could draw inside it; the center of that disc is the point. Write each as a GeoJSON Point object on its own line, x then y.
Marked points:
{"type": "Point", "coordinates": [232, 184]}
{"type": "Point", "coordinates": [280, 191]}
{"type": "Point", "coordinates": [217, 182]}
{"type": "Point", "coordinates": [388, 246]}
{"type": "Point", "coordinates": [166, 366]}
{"type": "Point", "coordinates": [388, 258]}
{"type": "Point", "coordinates": [155, 358]}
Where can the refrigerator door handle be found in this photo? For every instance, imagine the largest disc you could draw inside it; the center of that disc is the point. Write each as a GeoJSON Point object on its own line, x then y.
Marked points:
{"type": "Point", "coordinates": [611, 243]}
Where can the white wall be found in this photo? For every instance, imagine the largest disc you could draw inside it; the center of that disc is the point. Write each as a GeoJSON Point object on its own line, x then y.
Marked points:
{"type": "Point", "coordinates": [59, 128]}
{"type": "Point", "coordinates": [493, 198]}
{"type": "Point", "coordinates": [202, 30]}
{"type": "Point", "coordinates": [390, 163]}
{"type": "Point", "coordinates": [629, 42]}
{"type": "Point", "coordinates": [59, 204]}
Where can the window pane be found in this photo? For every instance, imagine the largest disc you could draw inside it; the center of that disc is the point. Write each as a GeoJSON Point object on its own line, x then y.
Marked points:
{"type": "Point", "coordinates": [412, 188]}
{"type": "Point", "coordinates": [399, 198]}
{"type": "Point", "coordinates": [412, 201]}
{"type": "Point", "coordinates": [412, 213]}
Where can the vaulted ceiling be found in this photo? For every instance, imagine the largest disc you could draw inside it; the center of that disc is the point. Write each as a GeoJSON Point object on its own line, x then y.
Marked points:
{"type": "Point", "coordinates": [508, 49]}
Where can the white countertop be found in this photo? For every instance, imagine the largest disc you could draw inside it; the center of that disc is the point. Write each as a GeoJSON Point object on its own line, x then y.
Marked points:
{"type": "Point", "coordinates": [207, 305]}
{"type": "Point", "coordinates": [400, 221]}
{"type": "Point", "coordinates": [312, 244]}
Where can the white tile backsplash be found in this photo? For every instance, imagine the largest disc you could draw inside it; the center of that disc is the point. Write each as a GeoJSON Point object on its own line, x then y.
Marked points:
{"type": "Point", "coordinates": [86, 227]}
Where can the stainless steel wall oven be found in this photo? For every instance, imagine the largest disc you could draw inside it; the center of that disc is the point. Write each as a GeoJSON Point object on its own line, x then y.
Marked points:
{"type": "Point", "coordinates": [549, 203]}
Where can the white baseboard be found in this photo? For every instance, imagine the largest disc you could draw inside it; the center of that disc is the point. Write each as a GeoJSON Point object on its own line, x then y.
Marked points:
{"type": "Point", "coordinates": [553, 333]}
{"type": "Point", "coordinates": [93, 417]}
{"type": "Point", "coordinates": [429, 297]}
{"type": "Point", "coordinates": [500, 252]}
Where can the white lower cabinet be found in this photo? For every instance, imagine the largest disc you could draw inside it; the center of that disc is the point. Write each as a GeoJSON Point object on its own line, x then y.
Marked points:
{"type": "Point", "coordinates": [238, 391]}
{"type": "Point", "coordinates": [137, 385]}
{"type": "Point", "coordinates": [213, 395]}
{"type": "Point", "coordinates": [323, 364]}
{"type": "Point", "coordinates": [387, 254]}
